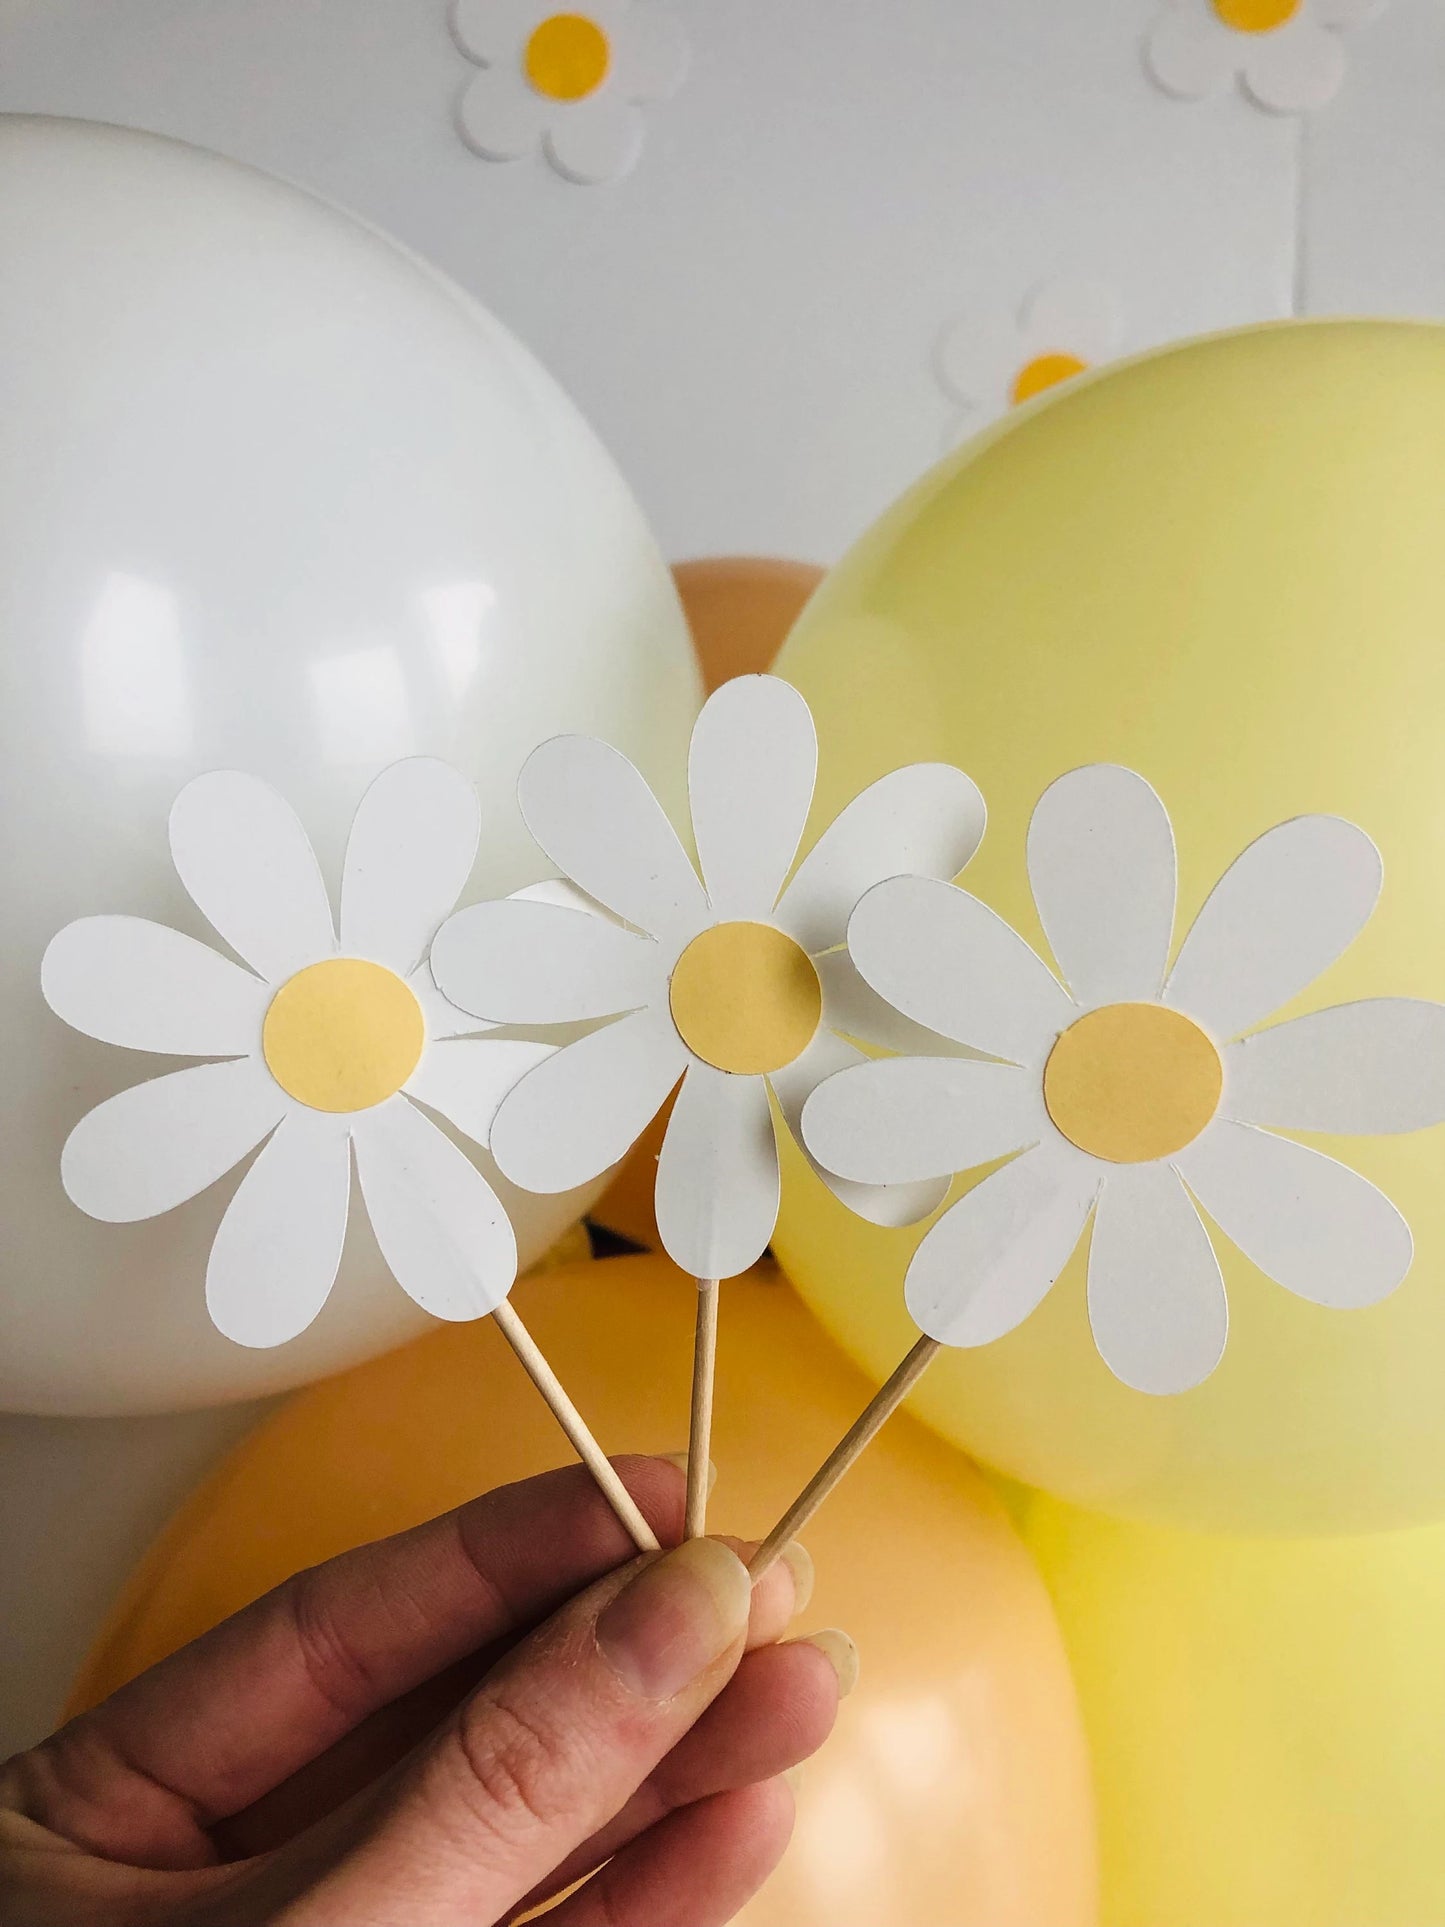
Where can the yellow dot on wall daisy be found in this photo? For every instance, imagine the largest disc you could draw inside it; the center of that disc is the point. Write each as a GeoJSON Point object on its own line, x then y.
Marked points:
{"type": "Point", "coordinates": [567, 57]}
{"type": "Point", "coordinates": [343, 1035]}
{"type": "Point", "coordinates": [1256, 16]}
{"type": "Point", "coordinates": [1044, 371]}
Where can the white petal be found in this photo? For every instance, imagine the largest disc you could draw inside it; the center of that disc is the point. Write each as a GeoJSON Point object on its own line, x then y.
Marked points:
{"type": "Point", "coordinates": [240, 850]}
{"type": "Point", "coordinates": [519, 962]}
{"type": "Point", "coordinates": [945, 960]}
{"type": "Point", "coordinates": [1296, 69]}
{"type": "Point", "coordinates": [1279, 916]}
{"type": "Point", "coordinates": [130, 982]}
{"type": "Point", "coordinates": [441, 1017]}
{"type": "Point", "coordinates": [466, 1079]}
{"type": "Point", "coordinates": [1156, 1297]}
{"type": "Point", "coordinates": [750, 773]}
{"type": "Point", "coordinates": [597, 820]}
{"type": "Point", "coordinates": [1101, 865]}
{"type": "Point", "coordinates": [990, 1259]}
{"type": "Point", "coordinates": [717, 1176]}
{"type": "Point", "coordinates": [650, 52]}
{"type": "Point", "coordinates": [595, 140]}
{"type": "Point", "coordinates": [499, 116]}
{"type": "Point", "coordinates": [1191, 57]}
{"type": "Point", "coordinates": [1077, 316]}
{"type": "Point", "coordinates": [149, 1148]}
{"type": "Point", "coordinates": [926, 820]}
{"type": "Point", "coordinates": [440, 1225]}
{"type": "Point", "coordinates": [412, 845]}
{"type": "Point", "coordinates": [577, 1114]}
{"type": "Point", "coordinates": [884, 1204]}
{"type": "Point", "coordinates": [976, 358]}
{"type": "Point", "coordinates": [276, 1254]}
{"type": "Point", "coordinates": [899, 1119]}
{"type": "Point", "coordinates": [856, 1009]}
{"type": "Point", "coordinates": [1374, 1066]}
{"type": "Point", "coordinates": [1313, 1225]}
{"type": "Point", "coordinates": [491, 30]}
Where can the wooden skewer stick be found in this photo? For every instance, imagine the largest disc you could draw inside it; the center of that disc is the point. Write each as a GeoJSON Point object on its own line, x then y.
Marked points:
{"type": "Point", "coordinates": [881, 1407]}
{"type": "Point", "coordinates": [699, 1436]}
{"type": "Point", "coordinates": [576, 1428]}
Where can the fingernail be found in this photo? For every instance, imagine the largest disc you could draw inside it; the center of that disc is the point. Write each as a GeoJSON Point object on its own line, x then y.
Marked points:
{"type": "Point", "coordinates": [675, 1618]}
{"type": "Point", "coordinates": [799, 1562]}
{"type": "Point", "coordinates": [793, 1776]}
{"type": "Point", "coordinates": [679, 1459]}
{"type": "Point", "coordinates": [841, 1654]}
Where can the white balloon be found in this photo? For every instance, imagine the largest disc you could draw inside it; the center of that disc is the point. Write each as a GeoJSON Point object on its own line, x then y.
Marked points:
{"type": "Point", "coordinates": [275, 496]}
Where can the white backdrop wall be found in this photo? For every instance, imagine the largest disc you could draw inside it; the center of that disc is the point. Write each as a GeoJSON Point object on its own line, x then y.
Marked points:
{"type": "Point", "coordinates": [750, 317]}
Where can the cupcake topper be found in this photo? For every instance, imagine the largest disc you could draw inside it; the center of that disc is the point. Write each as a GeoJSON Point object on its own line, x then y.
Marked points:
{"type": "Point", "coordinates": [320, 1050]}
{"type": "Point", "coordinates": [724, 980]}
{"type": "Point", "coordinates": [1140, 1093]}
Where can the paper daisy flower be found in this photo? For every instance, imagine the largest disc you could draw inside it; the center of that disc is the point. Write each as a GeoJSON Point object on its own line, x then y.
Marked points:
{"type": "Point", "coordinates": [1142, 1094]}
{"type": "Point", "coordinates": [990, 363]}
{"type": "Point", "coordinates": [322, 1049]}
{"type": "Point", "coordinates": [569, 82]}
{"type": "Point", "coordinates": [1287, 54]}
{"type": "Point", "coordinates": [727, 981]}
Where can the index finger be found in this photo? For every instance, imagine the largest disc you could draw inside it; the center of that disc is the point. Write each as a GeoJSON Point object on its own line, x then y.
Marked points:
{"type": "Point", "coordinates": [209, 1730]}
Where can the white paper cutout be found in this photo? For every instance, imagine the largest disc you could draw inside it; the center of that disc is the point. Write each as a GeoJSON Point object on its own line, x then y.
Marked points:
{"type": "Point", "coordinates": [182, 997]}
{"type": "Point", "coordinates": [1101, 858]}
{"type": "Point", "coordinates": [1281, 914]}
{"type": "Point", "coordinates": [751, 780]}
{"type": "Point", "coordinates": [247, 862]}
{"type": "Point", "coordinates": [592, 130]}
{"type": "Point", "coordinates": [989, 360]}
{"type": "Point", "coordinates": [719, 1144]}
{"type": "Point", "coordinates": [1157, 1306]}
{"type": "Point", "coordinates": [1294, 67]}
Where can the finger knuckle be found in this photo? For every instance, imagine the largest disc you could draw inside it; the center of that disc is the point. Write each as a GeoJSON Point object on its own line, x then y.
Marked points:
{"type": "Point", "coordinates": [336, 1669]}
{"type": "Point", "coordinates": [524, 1768]}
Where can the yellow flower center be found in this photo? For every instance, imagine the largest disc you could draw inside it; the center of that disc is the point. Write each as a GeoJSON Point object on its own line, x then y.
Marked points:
{"type": "Point", "coordinates": [567, 56]}
{"type": "Point", "coordinates": [343, 1035]}
{"type": "Point", "coordinates": [745, 997]}
{"type": "Point", "coordinates": [1045, 371]}
{"type": "Point", "coordinates": [1130, 1082]}
{"type": "Point", "coordinates": [1256, 16]}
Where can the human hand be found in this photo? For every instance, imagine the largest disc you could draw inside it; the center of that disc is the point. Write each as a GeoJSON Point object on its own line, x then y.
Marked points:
{"type": "Point", "coordinates": [442, 1728]}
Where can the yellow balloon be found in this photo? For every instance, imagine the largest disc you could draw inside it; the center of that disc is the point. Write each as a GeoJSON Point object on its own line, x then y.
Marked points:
{"type": "Point", "coordinates": [1267, 1720]}
{"type": "Point", "coordinates": [956, 1786]}
{"type": "Point", "coordinates": [1221, 566]}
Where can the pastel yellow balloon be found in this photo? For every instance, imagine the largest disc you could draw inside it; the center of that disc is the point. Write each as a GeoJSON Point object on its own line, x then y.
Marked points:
{"type": "Point", "coordinates": [1266, 1718]}
{"type": "Point", "coordinates": [1220, 566]}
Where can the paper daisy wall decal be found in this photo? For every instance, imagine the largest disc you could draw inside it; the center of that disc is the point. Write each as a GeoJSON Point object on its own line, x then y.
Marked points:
{"type": "Point", "coordinates": [1143, 1094]}
{"type": "Point", "coordinates": [725, 983]}
{"type": "Point", "coordinates": [1287, 54]}
{"type": "Point", "coordinates": [322, 1049]}
{"type": "Point", "coordinates": [990, 363]}
{"type": "Point", "coordinates": [567, 81]}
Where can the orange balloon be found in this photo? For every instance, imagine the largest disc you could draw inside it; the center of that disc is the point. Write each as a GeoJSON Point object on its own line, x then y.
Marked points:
{"type": "Point", "coordinates": [955, 1791]}
{"type": "Point", "coordinates": [739, 608]}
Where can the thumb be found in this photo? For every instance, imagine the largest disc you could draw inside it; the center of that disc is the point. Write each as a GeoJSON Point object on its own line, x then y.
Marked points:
{"type": "Point", "coordinates": [557, 1738]}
